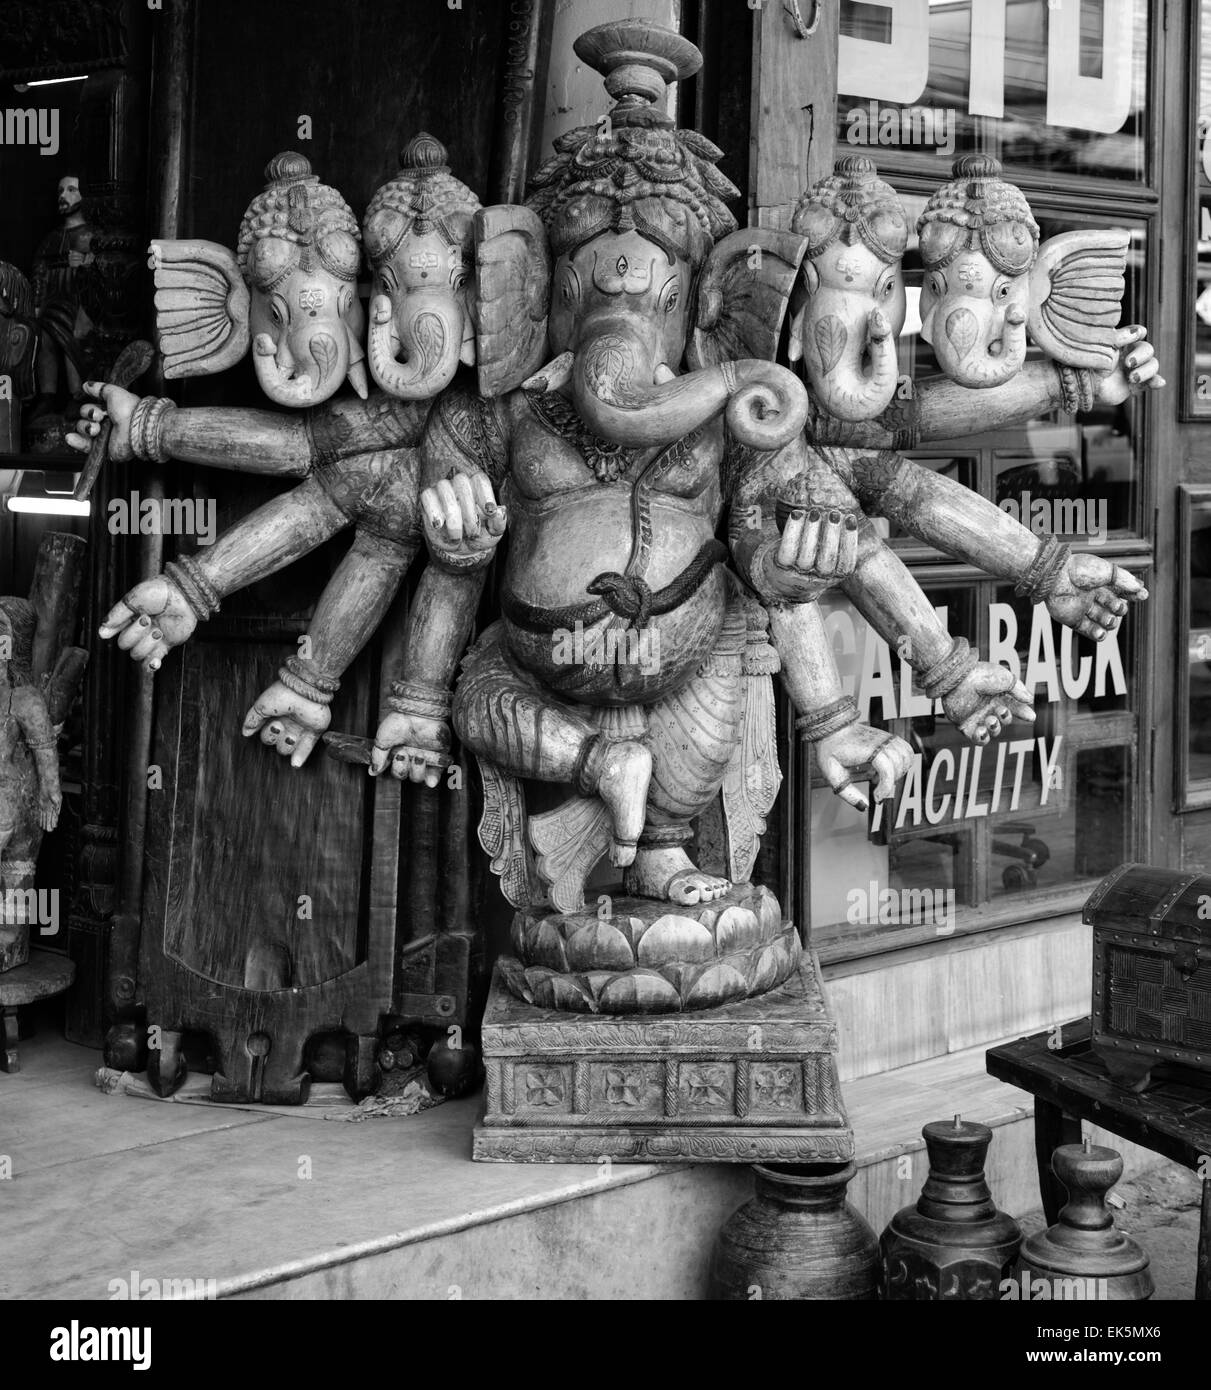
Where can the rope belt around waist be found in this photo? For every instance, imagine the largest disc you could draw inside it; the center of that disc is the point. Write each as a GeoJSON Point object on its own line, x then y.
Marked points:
{"type": "Point", "coordinates": [627, 596]}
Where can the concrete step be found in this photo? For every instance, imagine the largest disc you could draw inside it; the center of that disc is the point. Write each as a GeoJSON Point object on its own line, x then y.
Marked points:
{"type": "Point", "coordinates": [293, 1203]}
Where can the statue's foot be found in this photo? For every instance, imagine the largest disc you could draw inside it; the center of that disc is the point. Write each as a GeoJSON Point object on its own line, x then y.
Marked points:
{"type": "Point", "coordinates": [623, 786]}
{"type": "Point", "coordinates": [669, 873]}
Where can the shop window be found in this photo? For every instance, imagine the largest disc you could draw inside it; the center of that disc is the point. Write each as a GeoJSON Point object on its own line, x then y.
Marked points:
{"type": "Point", "coordinates": [1193, 703]}
{"type": "Point", "coordinates": [1196, 383]}
{"type": "Point", "coordinates": [978, 837]}
{"type": "Point", "coordinates": [1053, 86]}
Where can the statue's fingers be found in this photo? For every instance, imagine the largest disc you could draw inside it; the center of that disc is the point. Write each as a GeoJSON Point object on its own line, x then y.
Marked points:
{"type": "Point", "coordinates": [809, 543]}
{"type": "Point", "coordinates": [1131, 333]}
{"type": "Point", "coordinates": [307, 741]}
{"type": "Point", "coordinates": [147, 644]}
{"type": "Point", "coordinates": [116, 619]}
{"type": "Point", "coordinates": [1145, 352]}
{"type": "Point", "coordinates": [496, 520]}
{"type": "Point", "coordinates": [1103, 616]}
{"type": "Point", "coordinates": [379, 758]}
{"type": "Point", "coordinates": [978, 732]}
{"type": "Point", "coordinates": [271, 732]}
{"type": "Point", "coordinates": [417, 764]}
{"type": "Point", "coordinates": [452, 512]}
{"type": "Point", "coordinates": [253, 720]}
{"type": "Point", "coordinates": [885, 774]}
{"type": "Point", "coordinates": [399, 765]}
{"type": "Point", "coordinates": [792, 532]}
{"type": "Point", "coordinates": [77, 442]}
{"type": "Point", "coordinates": [465, 493]}
{"type": "Point", "coordinates": [134, 632]}
{"type": "Point", "coordinates": [853, 796]}
{"type": "Point", "coordinates": [481, 486]}
{"type": "Point", "coordinates": [95, 413]}
{"type": "Point", "coordinates": [992, 724]}
{"type": "Point", "coordinates": [431, 508]}
{"type": "Point", "coordinates": [847, 558]}
{"type": "Point", "coordinates": [433, 775]}
{"type": "Point", "coordinates": [1144, 372]}
{"type": "Point", "coordinates": [830, 544]}
{"type": "Point", "coordinates": [95, 388]}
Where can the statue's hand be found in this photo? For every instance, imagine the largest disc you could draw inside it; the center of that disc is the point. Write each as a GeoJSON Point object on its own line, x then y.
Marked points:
{"type": "Point", "coordinates": [1091, 595]}
{"type": "Point", "coordinates": [463, 523]}
{"type": "Point", "coordinates": [858, 746]}
{"type": "Point", "coordinates": [417, 748]}
{"type": "Point", "coordinates": [819, 546]}
{"type": "Point", "coordinates": [152, 619]}
{"type": "Point", "coordinates": [49, 804]}
{"type": "Point", "coordinates": [288, 721]}
{"type": "Point", "coordinates": [1136, 369]}
{"type": "Point", "coordinates": [117, 406]}
{"type": "Point", "coordinates": [987, 698]}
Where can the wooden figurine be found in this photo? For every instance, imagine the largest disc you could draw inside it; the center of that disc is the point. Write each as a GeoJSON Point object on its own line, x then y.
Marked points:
{"type": "Point", "coordinates": [63, 323]}
{"type": "Point", "coordinates": [952, 1243]}
{"type": "Point", "coordinates": [1084, 1255]}
{"type": "Point", "coordinates": [39, 676]}
{"type": "Point", "coordinates": [18, 341]}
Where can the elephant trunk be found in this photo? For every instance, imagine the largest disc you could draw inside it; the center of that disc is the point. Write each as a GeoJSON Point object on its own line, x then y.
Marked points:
{"type": "Point", "coordinates": [629, 398]}
{"type": "Point", "coordinates": [977, 359]}
{"type": "Point", "coordinates": [284, 380]}
{"type": "Point", "coordinates": [429, 333]}
{"type": "Point", "coordinates": [854, 374]}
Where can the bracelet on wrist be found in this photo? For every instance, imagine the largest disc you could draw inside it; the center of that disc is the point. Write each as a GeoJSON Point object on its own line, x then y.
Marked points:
{"type": "Point", "coordinates": [306, 681]}
{"type": "Point", "coordinates": [944, 675]}
{"type": "Point", "coordinates": [197, 590]}
{"type": "Point", "coordinates": [818, 724]}
{"type": "Point", "coordinates": [147, 428]}
{"type": "Point", "coordinates": [1040, 580]}
{"type": "Point", "coordinates": [421, 700]}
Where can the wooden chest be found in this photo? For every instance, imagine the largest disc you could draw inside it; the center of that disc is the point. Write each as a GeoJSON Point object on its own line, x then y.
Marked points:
{"type": "Point", "coordinates": [1151, 971]}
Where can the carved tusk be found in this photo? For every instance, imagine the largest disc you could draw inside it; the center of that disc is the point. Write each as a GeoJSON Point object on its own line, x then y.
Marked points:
{"type": "Point", "coordinates": [557, 373]}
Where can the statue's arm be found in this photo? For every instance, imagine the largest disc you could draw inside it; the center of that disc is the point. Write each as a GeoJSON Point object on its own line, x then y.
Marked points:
{"type": "Point", "coordinates": [978, 697]}
{"type": "Point", "coordinates": [295, 710]}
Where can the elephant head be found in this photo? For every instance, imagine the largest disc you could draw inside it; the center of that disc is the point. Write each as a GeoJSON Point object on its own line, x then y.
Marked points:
{"type": "Point", "coordinates": [632, 207]}
{"type": "Point", "coordinates": [850, 302]}
{"type": "Point", "coordinates": [18, 335]}
{"type": "Point", "coordinates": [988, 282]}
{"type": "Point", "coordinates": [290, 290]}
{"type": "Point", "coordinates": [453, 282]}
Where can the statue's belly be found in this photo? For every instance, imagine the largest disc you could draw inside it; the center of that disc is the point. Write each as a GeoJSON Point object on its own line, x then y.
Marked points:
{"type": "Point", "coordinates": [554, 554]}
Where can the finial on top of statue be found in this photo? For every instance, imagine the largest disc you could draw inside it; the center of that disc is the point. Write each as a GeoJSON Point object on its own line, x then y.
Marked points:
{"type": "Point", "coordinates": [634, 170]}
{"type": "Point", "coordinates": [979, 210]}
{"type": "Point", "coordinates": [297, 209]}
{"type": "Point", "coordinates": [854, 204]}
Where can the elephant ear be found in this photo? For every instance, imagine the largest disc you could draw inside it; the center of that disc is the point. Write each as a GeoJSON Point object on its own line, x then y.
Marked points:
{"type": "Point", "coordinates": [201, 307]}
{"type": "Point", "coordinates": [743, 292]}
{"type": "Point", "coordinates": [1076, 297]}
{"type": "Point", "coordinates": [513, 286]}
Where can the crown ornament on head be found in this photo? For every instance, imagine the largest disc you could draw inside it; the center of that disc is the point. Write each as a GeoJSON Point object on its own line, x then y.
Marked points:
{"type": "Point", "coordinates": [635, 170]}
{"type": "Point", "coordinates": [423, 196]}
{"type": "Point", "coordinates": [979, 211]}
{"type": "Point", "coordinates": [306, 216]}
{"type": "Point", "coordinates": [853, 204]}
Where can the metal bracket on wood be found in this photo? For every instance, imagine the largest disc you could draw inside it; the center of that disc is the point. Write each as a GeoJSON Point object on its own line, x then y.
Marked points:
{"type": "Point", "coordinates": [802, 30]}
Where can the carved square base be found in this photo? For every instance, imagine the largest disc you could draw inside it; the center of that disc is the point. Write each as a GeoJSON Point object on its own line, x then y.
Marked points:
{"type": "Point", "coordinates": [751, 1081]}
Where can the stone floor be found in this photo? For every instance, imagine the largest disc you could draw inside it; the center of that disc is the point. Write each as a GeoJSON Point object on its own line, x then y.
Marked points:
{"type": "Point", "coordinates": [281, 1202]}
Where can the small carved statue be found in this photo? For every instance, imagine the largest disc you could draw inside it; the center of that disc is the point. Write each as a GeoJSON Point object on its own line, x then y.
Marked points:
{"type": "Point", "coordinates": [18, 340]}
{"type": "Point", "coordinates": [63, 323]}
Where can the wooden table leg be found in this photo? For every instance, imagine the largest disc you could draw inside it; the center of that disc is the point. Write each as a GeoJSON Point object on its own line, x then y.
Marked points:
{"type": "Point", "coordinates": [1051, 1129]}
{"type": "Point", "coordinates": [8, 1059]}
{"type": "Point", "coordinates": [1202, 1275]}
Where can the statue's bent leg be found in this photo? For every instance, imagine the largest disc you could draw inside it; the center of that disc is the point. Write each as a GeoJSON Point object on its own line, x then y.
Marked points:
{"type": "Point", "coordinates": [692, 734]}
{"type": "Point", "coordinates": [507, 717]}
